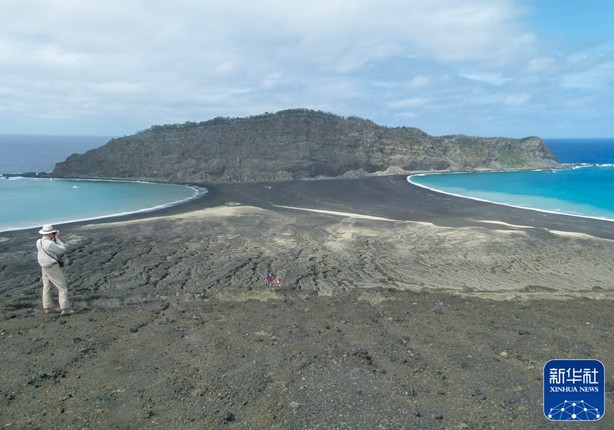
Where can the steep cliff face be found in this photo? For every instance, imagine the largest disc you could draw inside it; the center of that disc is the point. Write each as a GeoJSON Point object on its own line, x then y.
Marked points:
{"type": "Point", "coordinates": [293, 144]}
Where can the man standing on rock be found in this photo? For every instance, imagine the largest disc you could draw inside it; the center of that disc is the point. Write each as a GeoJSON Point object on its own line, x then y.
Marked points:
{"type": "Point", "coordinates": [50, 252]}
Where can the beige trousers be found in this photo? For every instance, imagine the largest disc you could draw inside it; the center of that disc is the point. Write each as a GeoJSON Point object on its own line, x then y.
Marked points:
{"type": "Point", "coordinates": [54, 275]}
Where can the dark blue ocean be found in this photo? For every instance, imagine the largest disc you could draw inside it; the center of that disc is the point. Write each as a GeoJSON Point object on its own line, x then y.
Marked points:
{"type": "Point", "coordinates": [585, 188]}
{"type": "Point", "coordinates": [590, 151]}
{"type": "Point", "coordinates": [23, 153]}
{"type": "Point", "coordinates": [32, 202]}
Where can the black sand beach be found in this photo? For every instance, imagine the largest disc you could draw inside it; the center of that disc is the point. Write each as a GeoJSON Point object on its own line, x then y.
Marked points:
{"type": "Point", "coordinates": [399, 308]}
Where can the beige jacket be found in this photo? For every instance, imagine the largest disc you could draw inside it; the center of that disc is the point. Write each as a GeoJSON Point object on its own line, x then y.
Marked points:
{"type": "Point", "coordinates": [49, 251]}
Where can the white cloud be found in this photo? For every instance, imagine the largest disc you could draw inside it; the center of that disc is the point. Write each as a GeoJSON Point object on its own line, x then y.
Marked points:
{"type": "Point", "coordinates": [472, 31]}
{"type": "Point", "coordinates": [408, 103]}
{"type": "Point", "coordinates": [136, 63]}
{"type": "Point", "coordinates": [517, 99]}
{"type": "Point", "coordinates": [541, 65]}
{"type": "Point", "coordinates": [489, 78]}
{"type": "Point", "coordinates": [419, 81]}
{"type": "Point", "coordinates": [591, 77]}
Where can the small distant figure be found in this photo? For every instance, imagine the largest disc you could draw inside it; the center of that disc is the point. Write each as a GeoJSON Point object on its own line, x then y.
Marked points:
{"type": "Point", "coordinates": [272, 280]}
{"type": "Point", "coordinates": [51, 251]}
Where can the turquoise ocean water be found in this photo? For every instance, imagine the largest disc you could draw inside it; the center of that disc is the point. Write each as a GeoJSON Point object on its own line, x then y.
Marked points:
{"type": "Point", "coordinates": [584, 188]}
{"type": "Point", "coordinates": [31, 202]}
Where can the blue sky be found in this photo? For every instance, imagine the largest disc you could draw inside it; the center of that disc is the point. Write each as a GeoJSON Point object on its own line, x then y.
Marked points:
{"type": "Point", "coordinates": [476, 67]}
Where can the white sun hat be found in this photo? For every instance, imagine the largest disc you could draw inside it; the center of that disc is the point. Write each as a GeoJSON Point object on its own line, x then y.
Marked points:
{"type": "Point", "coordinates": [47, 229]}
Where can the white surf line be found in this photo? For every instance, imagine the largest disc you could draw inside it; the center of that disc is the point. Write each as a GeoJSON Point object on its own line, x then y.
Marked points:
{"type": "Point", "coordinates": [502, 223]}
{"type": "Point", "coordinates": [561, 233]}
{"type": "Point", "coordinates": [345, 214]}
